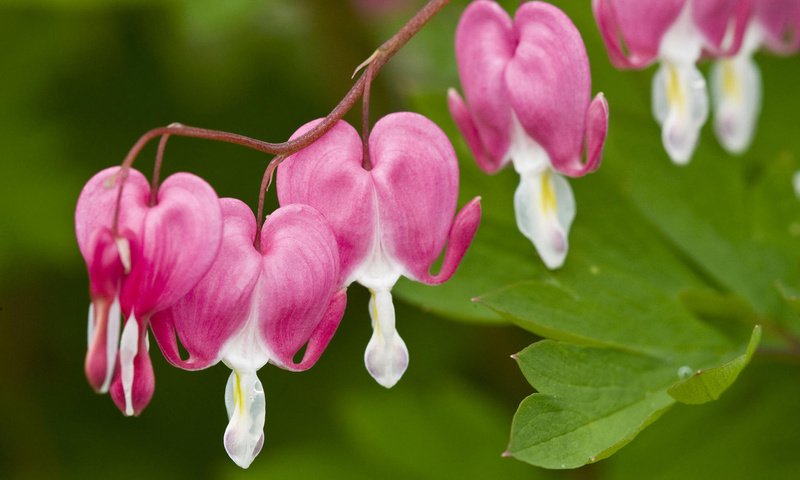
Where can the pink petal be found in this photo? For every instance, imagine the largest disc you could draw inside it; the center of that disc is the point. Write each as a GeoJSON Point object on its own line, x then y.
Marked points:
{"type": "Point", "coordinates": [549, 83]}
{"type": "Point", "coordinates": [463, 119]}
{"type": "Point", "coordinates": [180, 239]}
{"type": "Point", "coordinates": [416, 180]}
{"type": "Point", "coordinates": [300, 274]}
{"type": "Point", "coordinates": [484, 45]}
{"type": "Point", "coordinates": [105, 274]}
{"type": "Point", "coordinates": [144, 382]}
{"type": "Point", "coordinates": [461, 234]}
{"type": "Point", "coordinates": [328, 176]}
{"type": "Point", "coordinates": [633, 29]}
{"type": "Point", "coordinates": [322, 335]}
{"type": "Point", "coordinates": [96, 363]}
{"type": "Point", "coordinates": [96, 203]}
{"type": "Point", "coordinates": [219, 305]}
{"type": "Point", "coordinates": [596, 132]}
{"type": "Point", "coordinates": [715, 19]}
{"type": "Point", "coordinates": [780, 24]}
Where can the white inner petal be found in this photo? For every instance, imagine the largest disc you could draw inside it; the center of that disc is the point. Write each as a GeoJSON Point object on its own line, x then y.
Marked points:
{"type": "Point", "coordinates": [544, 205]}
{"type": "Point", "coordinates": [545, 208]}
{"type": "Point", "coordinates": [378, 271]}
{"type": "Point", "coordinates": [682, 43]}
{"type": "Point", "coordinates": [680, 105]}
{"type": "Point", "coordinates": [246, 406]}
{"type": "Point", "coordinates": [128, 348]}
{"type": "Point", "coordinates": [124, 249]}
{"type": "Point", "coordinates": [90, 326]}
{"type": "Point", "coordinates": [112, 341]}
{"type": "Point", "coordinates": [525, 152]}
{"type": "Point", "coordinates": [736, 94]}
{"type": "Point", "coordinates": [386, 356]}
{"type": "Point", "coordinates": [245, 351]}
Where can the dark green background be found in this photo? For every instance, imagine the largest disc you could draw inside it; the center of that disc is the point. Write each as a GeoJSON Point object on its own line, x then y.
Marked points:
{"type": "Point", "coordinates": [80, 80]}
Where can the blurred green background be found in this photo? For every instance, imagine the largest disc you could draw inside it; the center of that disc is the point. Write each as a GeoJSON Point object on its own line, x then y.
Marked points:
{"type": "Point", "coordinates": [80, 80]}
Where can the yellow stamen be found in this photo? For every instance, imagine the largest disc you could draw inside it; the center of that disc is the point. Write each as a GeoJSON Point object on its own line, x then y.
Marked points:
{"type": "Point", "coordinates": [730, 81]}
{"type": "Point", "coordinates": [549, 203]}
{"type": "Point", "coordinates": [238, 397]}
{"type": "Point", "coordinates": [674, 90]}
{"type": "Point", "coordinates": [374, 305]}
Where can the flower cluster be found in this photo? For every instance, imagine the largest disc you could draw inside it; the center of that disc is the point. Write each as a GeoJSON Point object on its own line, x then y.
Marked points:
{"type": "Point", "coordinates": [528, 102]}
{"type": "Point", "coordinates": [196, 269]}
{"type": "Point", "coordinates": [678, 33]}
{"type": "Point", "coordinates": [203, 273]}
{"type": "Point", "coordinates": [736, 81]}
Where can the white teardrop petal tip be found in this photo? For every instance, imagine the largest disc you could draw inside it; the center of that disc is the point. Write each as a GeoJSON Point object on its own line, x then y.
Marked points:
{"type": "Point", "coordinates": [246, 406]}
{"type": "Point", "coordinates": [680, 105]}
{"type": "Point", "coordinates": [128, 348]}
{"type": "Point", "coordinates": [386, 361]}
{"type": "Point", "coordinates": [545, 208]}
{"type": "Point", "coordinates": [386, 356]}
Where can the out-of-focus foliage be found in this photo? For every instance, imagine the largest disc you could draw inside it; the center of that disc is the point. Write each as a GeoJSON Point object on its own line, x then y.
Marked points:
{"type": "Point", "coordinates": [711, 243]}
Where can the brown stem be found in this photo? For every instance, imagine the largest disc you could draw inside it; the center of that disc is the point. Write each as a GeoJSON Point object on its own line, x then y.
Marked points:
{"type": "Point", "coordinates": [162, 146]}
{"type": "Point", "coordinates": [283, 150]}
{"type": "Point", "coordinates": [266, 182]}
{"type": "Point", "coordinates": [368, 76]}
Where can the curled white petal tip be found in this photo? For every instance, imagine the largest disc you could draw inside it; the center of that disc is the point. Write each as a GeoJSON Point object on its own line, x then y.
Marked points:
{"type": "Point", "coordinates": [386, 356]}
{"type": "Point", "coordinates": [736, 92]}
{"type": "Point", "coordinates": [796, 183]}
{"type": "Point", "coordinates": [545, 208]}
{"type": "Point", "coordinates": [128, 348]}
{"type": "Point", "coordinates": [386, 361]}
{"type": "Point", "coordinates": [680, 105]}
{"type": "Point", "coordinates": [246, 405]}
{"type": "Point", "coordinates": [124, 249]}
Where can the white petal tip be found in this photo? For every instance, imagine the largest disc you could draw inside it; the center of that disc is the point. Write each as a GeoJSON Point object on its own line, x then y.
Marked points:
{"type": "Point", "coordinates": [679, 145]}
{"type": "Point", "coordinates": [386, 361]}
{"type": "Point", "coordinates": [246, 405]}
{"type": "Point", "coordinates": [796, 183]}
{"type": "Point", "coordinates": [241, 458]}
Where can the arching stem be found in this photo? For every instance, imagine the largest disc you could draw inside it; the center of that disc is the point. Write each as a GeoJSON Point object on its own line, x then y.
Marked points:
{"type": "Point", "coordinates": [285, 149]}
{"type": "Point", "coordinates": [266, 182]}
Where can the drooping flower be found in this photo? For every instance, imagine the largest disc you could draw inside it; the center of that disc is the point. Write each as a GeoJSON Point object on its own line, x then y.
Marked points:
{"type": "Point", "coordinates": [675, 33]}
{"type": "Point", "coordinates": [258, 305]}
{"type": "Point", "coordinates": [528, 101]}
{"type": "Point", "coordinates": [391, 220]}
{"type": "Point", "coordinates": [736, 81]}
{"type": "Point", "coordinates": [156, 255]}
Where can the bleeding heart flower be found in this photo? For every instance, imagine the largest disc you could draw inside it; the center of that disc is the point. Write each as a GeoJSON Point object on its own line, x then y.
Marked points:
{"type": "Point", "coordinates": [675, 33]}
{"type": "Point", "coordinates": [158, 253]}
{"type": "Point", "coordinates": [527, 85]}
{"type": "Point", "coordinates": [390, 220]}
{"type": "Point", "coordinates": [258, 305]}
{"type": "Point", "coordinates": [736, 81]}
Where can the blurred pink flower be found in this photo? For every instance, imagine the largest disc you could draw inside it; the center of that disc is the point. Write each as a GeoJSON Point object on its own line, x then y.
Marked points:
{"type": "Point", "coordinates": [528, 102]}
{"type": "Point", "coordinates": [736, 81]}
{"type": "Point", "coordinates": [675, 33]}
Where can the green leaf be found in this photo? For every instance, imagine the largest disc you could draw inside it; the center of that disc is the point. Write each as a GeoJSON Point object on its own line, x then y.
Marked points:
{"type": "Point", "coordinates": [608, 374]}
{"type": "Point", "coordinates": [591, 402]}
{"type": "Point", "coordinates": [605, 307]}
{"type": "Point", "coordinates": [749, 433]}
{"type": "Point", "coordinates": [707, 385]}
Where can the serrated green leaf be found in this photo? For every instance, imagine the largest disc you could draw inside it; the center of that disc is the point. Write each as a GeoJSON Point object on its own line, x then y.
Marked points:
{"type": "Point", "coordinates": [707, 385]}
